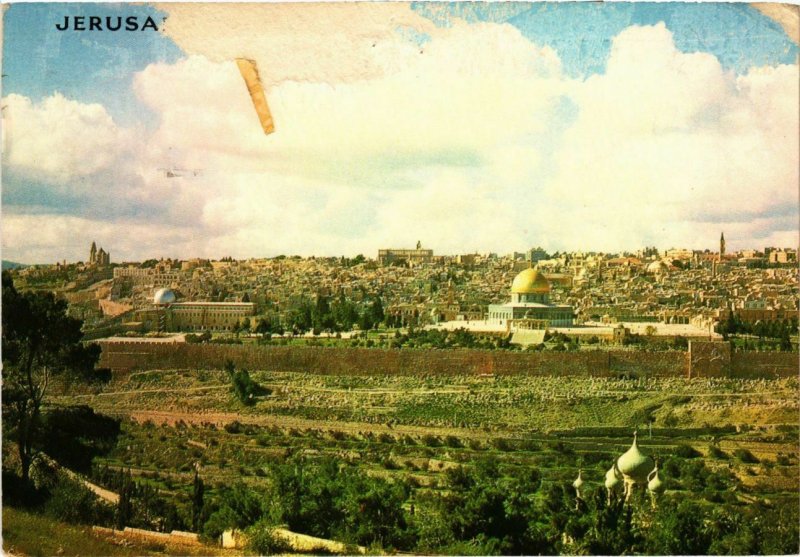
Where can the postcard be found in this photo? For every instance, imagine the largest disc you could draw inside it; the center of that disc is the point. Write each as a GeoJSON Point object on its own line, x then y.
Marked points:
{"type": "Point", "coordinates": [462, 278]}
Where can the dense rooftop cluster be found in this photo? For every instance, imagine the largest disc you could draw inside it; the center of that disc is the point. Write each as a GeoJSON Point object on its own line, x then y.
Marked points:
{"type": "Point", "coordinates": [676, 287]}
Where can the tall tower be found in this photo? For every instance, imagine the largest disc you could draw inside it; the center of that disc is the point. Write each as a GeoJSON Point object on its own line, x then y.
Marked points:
{"type": "Point", "coordinates": [721, 245]}
{"type": "Point", "coordinates": [93, 253]}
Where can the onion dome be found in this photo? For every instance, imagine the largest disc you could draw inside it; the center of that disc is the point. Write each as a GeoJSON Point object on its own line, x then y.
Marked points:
{"type": "Point", "coordinates": [578, 482]}
{"type": "Point", "coordinates": [635, 465]}
{"type": "Point", "coordinates": [654, 485]}
{"type": "Point", "coordinates": [611, 478]}
{"type": "Point", "coordinates": [530, 281]}
{"type": "Point", "coordinates": [163, 296]}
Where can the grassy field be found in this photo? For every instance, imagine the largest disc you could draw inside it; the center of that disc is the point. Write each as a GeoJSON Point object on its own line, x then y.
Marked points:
{"type": "Point", "coordinates": [513, 405]}
{"type": "Point", "coordinates": [414, 427]}
{"type": "Point", "coordinates": [25, 533]}
{"type": "Point", "coordinates": [33, 534]}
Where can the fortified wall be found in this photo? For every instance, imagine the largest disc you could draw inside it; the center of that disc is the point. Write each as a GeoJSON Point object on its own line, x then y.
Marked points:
{"type": "Point", "coordinates": [707, 359]}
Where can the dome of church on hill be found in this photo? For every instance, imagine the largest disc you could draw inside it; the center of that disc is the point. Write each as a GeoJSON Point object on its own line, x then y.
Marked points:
{"type": "Point", "coordinates": [635, 470]}
{"type": "Point", "coordinates": [163, 296]}
{"type": "Point", "coordinates": [634, 465]}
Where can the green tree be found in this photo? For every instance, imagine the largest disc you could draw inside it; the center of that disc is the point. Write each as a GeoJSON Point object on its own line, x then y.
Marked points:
{"type": "Point", "coordinates": [235, 507]}
{"type": "Point", "coordinates": [298, 315]}
{"type": "Point", "coordinates": [198, 490]}
{"type": "Point", "coordinates": [376, 311]}
{"type": "Point", "coordinates": [264, 326]}
{"type": "Point", "coordinates": [495, 514]}
{"type": "Point", "coordinates": [786, 342]}
{"type": "Point", "coordinates": [679, 531]}
{"type": "Point", "coordinates": [125, 505]}
{"type": "Point", "coordinates": [373, 512]}
{"type": "Point", "coordinates": [39, 340]}
{"type": "Point", "coordinates": [262, 541]}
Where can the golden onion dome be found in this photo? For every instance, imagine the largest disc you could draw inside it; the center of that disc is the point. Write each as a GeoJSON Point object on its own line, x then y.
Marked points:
{"type": "Point", "coordinates": [635, 465]}
{"type": "Point", "coordinates": [654, 484]}
{"type": "Point", "coordinates": [530, 281]}
{"type": "Point", "coordinates": [611, 478]}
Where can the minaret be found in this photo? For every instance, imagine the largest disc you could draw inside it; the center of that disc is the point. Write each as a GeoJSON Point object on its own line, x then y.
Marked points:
{"type": "Point", "coordinates": [721, 245]}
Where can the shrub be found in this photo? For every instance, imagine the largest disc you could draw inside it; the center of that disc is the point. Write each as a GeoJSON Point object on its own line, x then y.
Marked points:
{"type": "Point", "coordinates": [71, 501]}
{"type": "Point", "coordinates": [20, 494]}
{"type": "Point", "coordinates": [686, 451]}
{"type": "Point", "coordinates": [529, 445]}
{"type": "Point", "coordinates": [245, 388]}
{"type": "Point", "coordinates": [408, 440]}
{"type": "Point", "coordinates": [453, 442]}
{"type": "Point", "coordinates": [716, 452]}
{"type": "Point", "coordinates": [745, 456]}
{"type": "Point", "coordinates": [561, 447]}
{"type": "Point", "coordinates": [385, 438]}
{"type": "Point", "coordinates": [233, 427]}
{"type": "Point", "coordinates": [431, 440]}
{"type": "Point", "coordinates": [501, 444]}
{"type": "Point", "coordinates": [475, 445]}
{"type": "Point", "coordinates": [410, 465]}
{"type": "Point", "coordinates": [389, 464]}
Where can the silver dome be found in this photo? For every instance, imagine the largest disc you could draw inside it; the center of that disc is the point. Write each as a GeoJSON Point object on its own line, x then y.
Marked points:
{"type": "Point", "coordinates": [163, 296]}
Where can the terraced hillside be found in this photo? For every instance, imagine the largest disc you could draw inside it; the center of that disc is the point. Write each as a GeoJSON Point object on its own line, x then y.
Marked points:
{"type": "Point", "coordinates": [420, 426]}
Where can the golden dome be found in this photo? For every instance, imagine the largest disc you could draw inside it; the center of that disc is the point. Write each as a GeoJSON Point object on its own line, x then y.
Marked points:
{"type": "Point", "coordinates": [611, 477]}
{"type": "Point", "coordinates": [530, 281]}
{"type": "Point", "coordinates": [654, 483]}
{"type": "Point", "coordinates": [635, 465]}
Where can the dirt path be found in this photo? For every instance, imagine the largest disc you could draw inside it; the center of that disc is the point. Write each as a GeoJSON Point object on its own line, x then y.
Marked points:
{"type": "Point", "coordinates": [151, 391]}
{"type": "Point", "coordinates": [104, 494]}
{"type": "Point", "coordinates": [289, 422]}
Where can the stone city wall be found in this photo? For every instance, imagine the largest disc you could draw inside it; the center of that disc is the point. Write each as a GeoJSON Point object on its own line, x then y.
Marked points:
{"type": "Point", "coordinates": [130, 356]}
{"type": "Point", "coordinates": [121, 356]}
{"type": "Point", "coordinates": [765, 364]}
{"type": "Point", "coordinates": [176, 537]}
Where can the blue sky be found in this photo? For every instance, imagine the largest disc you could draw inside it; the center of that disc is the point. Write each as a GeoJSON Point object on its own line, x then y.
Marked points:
{"type": "Point", "coordinates": [92, 67]}
{"type": "Point", "coordinates": [348, 158]}
{"type": "Point", "coordinates": [581, 32]}
{"type": "Point", "coordinates": [99, 67]}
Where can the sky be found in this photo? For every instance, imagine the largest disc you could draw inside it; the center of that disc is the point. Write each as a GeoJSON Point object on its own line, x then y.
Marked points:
{"type": "Point", "coordinates": [466, 126]}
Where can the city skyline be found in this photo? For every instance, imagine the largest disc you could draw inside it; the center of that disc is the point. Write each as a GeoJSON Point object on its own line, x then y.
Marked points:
{"type": "Point", "coordinates": [660, 253]}
{"type": "Point", "coordinates": [659, 127]}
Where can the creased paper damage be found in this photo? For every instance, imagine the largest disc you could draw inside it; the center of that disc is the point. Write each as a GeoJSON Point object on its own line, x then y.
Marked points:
{"type": "Point", "coordinates": [249, 72]}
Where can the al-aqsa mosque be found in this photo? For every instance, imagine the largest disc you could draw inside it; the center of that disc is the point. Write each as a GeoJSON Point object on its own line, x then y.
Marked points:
{"type": "Point", "coordinates": [530, 307]}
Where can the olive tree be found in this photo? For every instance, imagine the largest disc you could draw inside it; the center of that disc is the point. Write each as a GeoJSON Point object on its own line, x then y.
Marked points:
{"type": "Point", "coordinates": [39, 341]}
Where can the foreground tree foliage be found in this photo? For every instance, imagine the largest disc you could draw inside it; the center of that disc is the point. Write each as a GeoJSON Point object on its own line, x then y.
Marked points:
{"type": "Point", "coordinates": [325, 499]}
{"type": "Point", "coordinates": [484, 509]}
{"type": "Point", "coordinates": [73, 436]}
{"type": "Point", "coordinates": [39, 341]}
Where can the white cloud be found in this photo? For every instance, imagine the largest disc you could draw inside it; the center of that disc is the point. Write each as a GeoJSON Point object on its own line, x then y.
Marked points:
{"type": "Point", "coordinates": [465, 142]}
{"type": "Point", "coordinates": [667, 146]}
{"type": "Point", "coordinates": [60, 140]}
{"type": "Point", "coordinates": [50, 238]}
